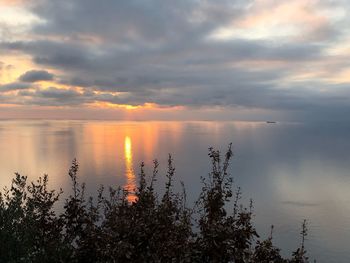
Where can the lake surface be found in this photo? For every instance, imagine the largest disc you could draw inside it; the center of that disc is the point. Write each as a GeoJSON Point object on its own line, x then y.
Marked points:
{"type": "Point", "coordinates": [292, 171]}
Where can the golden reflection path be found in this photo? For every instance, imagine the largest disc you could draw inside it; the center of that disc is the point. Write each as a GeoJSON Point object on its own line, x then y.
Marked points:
{"type": "Point", "coordinates": [129, 171]}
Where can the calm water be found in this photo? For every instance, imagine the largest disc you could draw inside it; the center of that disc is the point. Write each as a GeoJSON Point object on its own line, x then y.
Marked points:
{"type": "Point", "coordinates": [291, 171]}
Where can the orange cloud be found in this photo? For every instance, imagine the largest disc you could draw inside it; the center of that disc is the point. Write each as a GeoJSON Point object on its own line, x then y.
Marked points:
{"type": "Point", "coordinates": [11, 2]}
{"type": "Point", "coordinates": [266, 18]}
{"type": "Point", "coordinates": [297, 12]}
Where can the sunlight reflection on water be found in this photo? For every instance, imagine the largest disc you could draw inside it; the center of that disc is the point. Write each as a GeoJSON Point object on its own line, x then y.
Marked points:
{"type": "Point", "coordinates": [129, 170]}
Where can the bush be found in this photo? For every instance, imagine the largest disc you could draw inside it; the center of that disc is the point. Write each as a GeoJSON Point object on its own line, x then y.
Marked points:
{"type": "Point", "coordinates": [151, 228]}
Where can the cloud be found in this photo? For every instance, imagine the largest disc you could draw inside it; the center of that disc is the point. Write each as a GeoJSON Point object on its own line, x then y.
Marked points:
{"type": "Point", "coordinates": [36, 75]}
{"type": "Point", "coordinates": [55, 93]}
{"type": "Point", "coordinates": [51, 96]}
{"type": "Point", "coordinates": [14, 86]}
{"type": "Point", "coordinates": [232, 54]}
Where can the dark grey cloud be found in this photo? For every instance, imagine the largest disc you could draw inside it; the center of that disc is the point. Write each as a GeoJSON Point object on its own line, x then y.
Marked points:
{"type": "Point", "coordinates": [36, 75]}
{"type": "Point", "coordinates": [14, 86]}
{"type": "Point", "coordinates": [56, 93]}
{"type": "Point", "coordinates": [52, 96]}
{"type": "Point", "coordinates": [134, 22]}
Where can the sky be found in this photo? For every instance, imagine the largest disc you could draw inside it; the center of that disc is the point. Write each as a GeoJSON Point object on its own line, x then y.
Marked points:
{"type": "Point", "coordinates": [175, 60]}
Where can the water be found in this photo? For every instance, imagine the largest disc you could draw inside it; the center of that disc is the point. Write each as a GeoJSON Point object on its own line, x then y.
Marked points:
{"type": "Point", "coordinates": [292, 171]}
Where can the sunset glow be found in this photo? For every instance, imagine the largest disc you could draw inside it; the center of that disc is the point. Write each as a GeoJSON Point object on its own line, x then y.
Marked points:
{"type": "Point", "coordinates": [261, 56]}
{"type": "Point", "coordinates": [107, 98]}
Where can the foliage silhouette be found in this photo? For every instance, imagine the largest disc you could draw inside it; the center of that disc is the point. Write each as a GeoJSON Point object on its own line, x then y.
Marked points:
{"type": "Point", "coordinates": [151, 228]}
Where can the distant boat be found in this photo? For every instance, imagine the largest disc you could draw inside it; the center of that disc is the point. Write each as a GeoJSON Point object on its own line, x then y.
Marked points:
{"type": "Point", "coordinates": [270, 122]}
